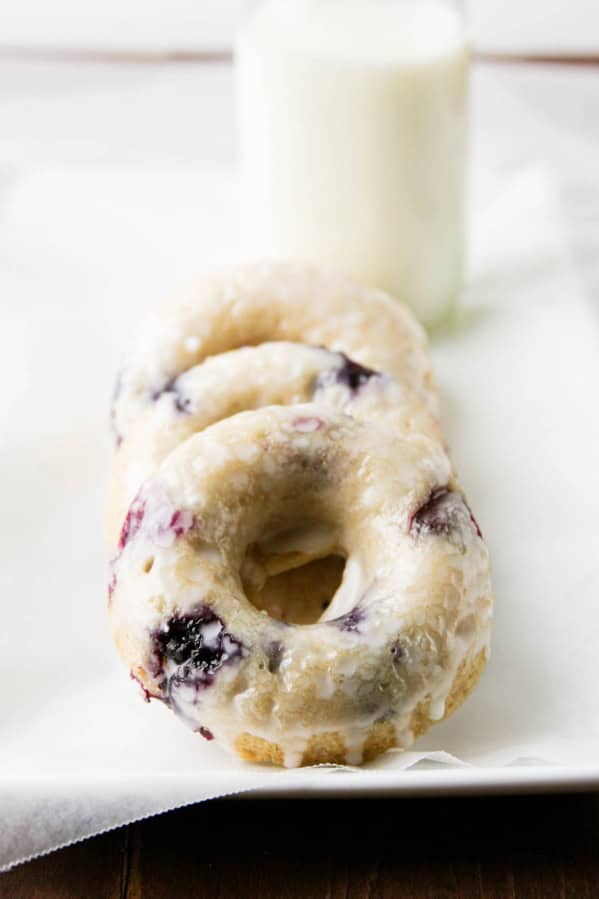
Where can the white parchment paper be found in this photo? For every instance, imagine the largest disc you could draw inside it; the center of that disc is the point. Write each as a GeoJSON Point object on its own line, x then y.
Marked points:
{"type": "Point", "coordinates": [82, 256]}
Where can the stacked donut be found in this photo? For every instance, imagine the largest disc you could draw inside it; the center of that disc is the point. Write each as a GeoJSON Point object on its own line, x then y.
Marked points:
{"type": "Point", "coordinates": [297, 573]}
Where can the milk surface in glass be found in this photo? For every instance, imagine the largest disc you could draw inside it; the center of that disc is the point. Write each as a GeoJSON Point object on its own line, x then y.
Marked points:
{"type": "Point", "coordinates": [353, 127]}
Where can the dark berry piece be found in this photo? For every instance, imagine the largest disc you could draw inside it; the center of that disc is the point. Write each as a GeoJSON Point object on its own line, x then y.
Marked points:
{"type": "Point", "coordinates": [353, 374]}
{"type": "Point", "coordinates": [199, 646]}
{"type": "Point", "coordinates": [118, 387]}
{"type": "Point", "coordinates": [274, 654]}
{"type": "Point", "coordinates": [154, 662]}
{"type": "Point", "coordinates": [204, 732]}
{"type": "Point", "coordinates": [397, 652]}
{"type": "Point", "coordinates": [474, 521]}
{"type": "Point", "coordinates": [146, 693]}
{"type": "Point", "coordinates": [181, 402]}
{"type": "Point", "coordinates": [442, 515]}
{"type": "Point", "coordinates": [132, 522]}
{"type": "Point", "coordinates": [111, 584]}
{"type": "Point", "coordinates": [350, 623]}
{"type": "Point", "coordinates": [181, 522]}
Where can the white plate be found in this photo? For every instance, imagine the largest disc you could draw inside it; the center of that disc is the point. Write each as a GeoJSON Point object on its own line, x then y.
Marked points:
{"type": "Point", "coordinates": [460, 782]}
{"type": "Point", "coordinates": [81, 257]}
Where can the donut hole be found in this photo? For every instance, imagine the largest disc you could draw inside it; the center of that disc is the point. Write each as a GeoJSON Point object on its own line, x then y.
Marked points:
{"type": "Point", "coordinates": [294, 574]}
{"type": "Point", "coordinates": [299, 595]}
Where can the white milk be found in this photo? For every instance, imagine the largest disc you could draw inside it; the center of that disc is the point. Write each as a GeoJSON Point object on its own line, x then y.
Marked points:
{"type": "Point", "coordinates": [353, 124]}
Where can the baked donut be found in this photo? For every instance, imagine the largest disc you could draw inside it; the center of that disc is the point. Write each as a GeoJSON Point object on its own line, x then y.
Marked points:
{"type": "Point", "coordinates": [400, 645]}
{"type": "Point", "coordinates": [252, 304]}
{"type": "Point", "coordinates": [278, 373]}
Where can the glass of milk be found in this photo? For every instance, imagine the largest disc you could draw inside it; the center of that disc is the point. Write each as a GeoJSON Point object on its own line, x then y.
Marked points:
{"type": "Point", "coordinates": [353, 140]}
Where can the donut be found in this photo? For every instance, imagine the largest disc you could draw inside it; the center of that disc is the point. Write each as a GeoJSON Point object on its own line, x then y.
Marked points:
{"type": "Point", "coordinates": [400, 645]}
{"type": "Point", "coordinates": [278, 373]}
{"type": "Point", "coordinates": [253, 304]}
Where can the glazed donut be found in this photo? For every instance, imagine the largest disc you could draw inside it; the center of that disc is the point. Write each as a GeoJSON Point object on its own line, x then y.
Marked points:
{"type": "Point", "coordinates": [253, 304]}
{"type": "Point", "coordinates": [278, 373]}
{"type": "Point", "coordinates": [400, 645]}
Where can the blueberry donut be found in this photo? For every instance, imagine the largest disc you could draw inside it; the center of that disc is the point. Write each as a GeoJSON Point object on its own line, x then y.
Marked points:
{"type": "Point", "coordinates": [253, 304]}
{"type": "Point", "coordinates": [400, 645]}
{"type": "Point", "coordinates": [278, 373]}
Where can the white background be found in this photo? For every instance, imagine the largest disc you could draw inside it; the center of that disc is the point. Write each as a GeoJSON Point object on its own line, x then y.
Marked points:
{"type": "Point", "coordinates": [549, 26]}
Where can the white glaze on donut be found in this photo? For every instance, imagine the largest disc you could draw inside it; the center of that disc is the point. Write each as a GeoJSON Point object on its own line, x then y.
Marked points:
{"type": "Point", "coordinates": [413, 608]}
{"type": "Point", "coordinates": [279, 373]}
{"type": "Point", "coordinates": [249, 305]}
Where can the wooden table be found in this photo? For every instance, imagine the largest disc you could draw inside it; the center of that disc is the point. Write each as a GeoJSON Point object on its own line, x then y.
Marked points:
{"type": "Point", "coordinates": [477, 848]}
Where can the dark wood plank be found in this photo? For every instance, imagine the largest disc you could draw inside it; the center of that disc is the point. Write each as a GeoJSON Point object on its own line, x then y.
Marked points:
{"type": "Point", "coordinates": [468, 849]}
{"type": "Point", "coordinates": [478, 848]}
{"type": "Point", "coordinates": [497, 876]}
{"type": "Point", "coordinates": [89, 870]}
{"type": "Point", "coordinates": [131, 56]}
{"type": "Point", "coordinates": [540, 59]}
{"type": "Point", "coordinates": [182, 56]}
